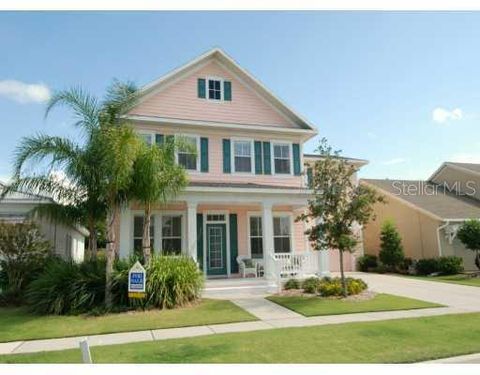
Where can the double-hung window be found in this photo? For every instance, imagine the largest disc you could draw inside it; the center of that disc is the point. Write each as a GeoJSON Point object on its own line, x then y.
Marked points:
{"type": "Point", "coordinates": [187, 152]}
{"type": "Point", "coordinates": [147, 138]}
{"type": "Point", "coordinates": [256, 237]}
{"type": "Point", "coordinates": [214, 89]}
{"type": "Point", "coordinates": [138, 233]}
{"type": "Point", "coordinates": [281, 158]}
{"type": "Point", "coordinates": [281, 234]}
{"type": "Point", "coordinates": [242, 152]}
{"type": "Point", "coordinates": [172, 234]}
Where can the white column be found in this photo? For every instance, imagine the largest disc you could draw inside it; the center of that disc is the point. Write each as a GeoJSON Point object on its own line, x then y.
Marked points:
{"type": "Point", "coordinates": [267, 227]}
{"type": "Point", "coordinates": [125, 240]}
{"type": "Point", "coordinates": [192, 229]}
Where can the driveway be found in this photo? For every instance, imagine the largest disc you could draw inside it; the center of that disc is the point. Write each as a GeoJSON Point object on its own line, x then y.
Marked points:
{"type": "Point", "coordinates": [462, 297]}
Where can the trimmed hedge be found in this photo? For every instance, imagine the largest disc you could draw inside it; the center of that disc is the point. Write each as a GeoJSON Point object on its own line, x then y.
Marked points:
{"type": "Point", "coordinates": [367, 263]}
{"type": "Point", "coordinates": [332, 286]}
{"type": "Point", "coordinates": [449, 265]}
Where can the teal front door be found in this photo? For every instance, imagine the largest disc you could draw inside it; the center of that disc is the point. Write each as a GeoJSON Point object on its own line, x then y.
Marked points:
{"type": "Point", "coordinates": [216, 249]}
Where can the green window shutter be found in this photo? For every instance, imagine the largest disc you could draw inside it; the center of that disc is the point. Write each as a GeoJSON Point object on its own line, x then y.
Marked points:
{"type": "Point", "coordinates": [258, 157]}
{"type": "Point", "coordinates": [296, 159]}
{"type": "Point", "coordinates": [233, 243]}
{"type": "Point", "coordinates": [159, 139]}
{"type": "Point", "coordinates": [226, 156]}
{"type": "Point", "coordinates": [267, 166]}
{"type": "Point", "coordinates": [201, 88]}
{"type": "Point", "coordinates": [227, 90]}
{"type": "Point", "coordinates": [309, 177]}
{"type": "Point", "coordinates": [204, 154]}
{"type": "Point", "coordinates": [200, 240]}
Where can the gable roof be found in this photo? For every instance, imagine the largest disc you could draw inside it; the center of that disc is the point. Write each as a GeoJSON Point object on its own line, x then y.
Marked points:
{"type": "Point", "coordinates": [471, 168]}
{"type": "Point", "coordinates": [220, 56]}
{"type": "Point", "coordinates": [443, 205]}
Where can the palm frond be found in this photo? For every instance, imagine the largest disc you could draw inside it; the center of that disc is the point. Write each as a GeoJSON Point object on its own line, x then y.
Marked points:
{"type": "Point", "coordinates": [59, 213]}
{"type": "Point", "coordinates": [84, 106]}
{"type": "Point", "coordinates": [120, 97]}
{"type": "Point", "coordinates": [39, 147]}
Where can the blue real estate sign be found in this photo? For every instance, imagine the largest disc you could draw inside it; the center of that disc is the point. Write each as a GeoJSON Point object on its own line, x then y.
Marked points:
{"type": "Point", "coordinates": [136, 281]}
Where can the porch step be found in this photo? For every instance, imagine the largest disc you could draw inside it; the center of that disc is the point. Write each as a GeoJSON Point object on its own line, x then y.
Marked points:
{"type": "Point", "coordinates": [232, 284]}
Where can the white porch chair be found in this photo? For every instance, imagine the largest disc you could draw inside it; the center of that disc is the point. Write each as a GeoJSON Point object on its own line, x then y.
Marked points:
{"type": "Point", "coordinates": [247, 266]}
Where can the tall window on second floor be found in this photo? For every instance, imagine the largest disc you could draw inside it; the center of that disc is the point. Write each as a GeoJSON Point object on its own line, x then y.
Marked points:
{"type": "Point", "coordinates": [242, 151]}
{"type": "Point", "coordinates": [187, 153]}
{"type": "Point", "coordinates": [281, 158]}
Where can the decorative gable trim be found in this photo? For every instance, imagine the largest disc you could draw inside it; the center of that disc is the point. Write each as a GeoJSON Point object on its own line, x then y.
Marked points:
{"type": "Point", "coordinates": [227, 63]}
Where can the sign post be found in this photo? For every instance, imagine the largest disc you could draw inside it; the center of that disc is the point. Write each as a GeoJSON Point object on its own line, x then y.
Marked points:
{"type": "Point", "coordinates": [86, 356]}
{"type": "Point", "coordinates": [136, 281]}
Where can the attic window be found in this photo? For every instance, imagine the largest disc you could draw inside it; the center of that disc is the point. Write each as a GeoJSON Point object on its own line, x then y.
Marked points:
{"type": "Point", "coordinates": [215, 89]}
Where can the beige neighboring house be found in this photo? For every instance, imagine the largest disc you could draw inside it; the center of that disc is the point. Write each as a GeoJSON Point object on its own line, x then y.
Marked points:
{"type": "Point", "coordinates": [67, 241]}
{"type": "Point", "coordinates": [428, 213]}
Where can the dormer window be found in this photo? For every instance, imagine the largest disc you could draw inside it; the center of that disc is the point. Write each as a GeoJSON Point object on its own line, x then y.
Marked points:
{"type": "Point", "coordinates": [215, 89]}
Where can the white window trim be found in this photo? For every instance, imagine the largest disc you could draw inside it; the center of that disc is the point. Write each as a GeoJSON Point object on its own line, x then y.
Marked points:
{"type": "Point", "coordinates": [213, 78]}
{"type": "Point", "coordinates": [232, 155]}
{"type": "Point", "coordinates": [290, 216]}
{"type": "Point", "coordinates": [157, 230]}
{"type": "Point", "coordinates": [272, 157]}
{"type": "Point", "coordinates": [249, 245]}
{"type": "Point", "coordinates": [197, 138]}
{"type": "Point", "coordinates": [146, 132]}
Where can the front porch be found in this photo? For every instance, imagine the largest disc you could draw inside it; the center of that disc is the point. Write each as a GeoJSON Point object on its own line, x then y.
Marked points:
{"type": "Point", "coordinates": [218, 228]}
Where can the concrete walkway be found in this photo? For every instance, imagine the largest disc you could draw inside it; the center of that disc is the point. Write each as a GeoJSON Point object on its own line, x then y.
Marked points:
{"type": "Point", "coordinates": [457, 298]}
{"type": "Point", "coordinates": [463, 359]}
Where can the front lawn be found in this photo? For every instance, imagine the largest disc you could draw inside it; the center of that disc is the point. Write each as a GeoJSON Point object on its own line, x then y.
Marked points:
{"type": "Point", "coordinates": [452, 279]}
{"type": "Point", "coordinates": [17, 324]}
{"type": "Point", "coordinates": [313, 306]}
{"type": "Point", "coordinates": [388, 341]}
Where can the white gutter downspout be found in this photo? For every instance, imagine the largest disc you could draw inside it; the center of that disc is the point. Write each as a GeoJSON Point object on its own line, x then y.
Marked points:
{"type": "Point", "coordinates": [440, 252]}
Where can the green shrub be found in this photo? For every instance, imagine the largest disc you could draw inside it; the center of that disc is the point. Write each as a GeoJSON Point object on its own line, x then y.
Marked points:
{"type": "Point", "coordinates": [450, 265]}
{"type": "Point", "coordinates": [367, 263]}
{"type": "Point", "coordinates": [23, 253]}
{"type": "Point", "coordinates": [292, 284]}
{"type": "Point", "coordinates": [329, 287]}
{"type": "Point", "coordinates": [310, 285]}
{"type": "Point", "coordinates": [65, 287]}
{"type": "Point", "coordinates": [404, 266]}
{"type": "Point", "coordinates": [172, 281]}
{"type": "Point", "coordinates": [380, 269]}
{"type": "Point", "coordinates": [427, 266]}
{"type": "Point", "coordinates": [391, 249]}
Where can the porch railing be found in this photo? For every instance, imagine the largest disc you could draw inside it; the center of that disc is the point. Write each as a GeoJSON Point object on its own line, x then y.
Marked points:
{"type": "Point", "coordinates": [282, 266]}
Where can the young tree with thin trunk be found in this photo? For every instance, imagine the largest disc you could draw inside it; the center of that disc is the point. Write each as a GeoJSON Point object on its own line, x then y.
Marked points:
{"type": "Point", "coordinates": [156, 179]}
{"type": "Point", "coordinates": [469, 235]}
{"type": "Point", "coordinates": [338, 205]}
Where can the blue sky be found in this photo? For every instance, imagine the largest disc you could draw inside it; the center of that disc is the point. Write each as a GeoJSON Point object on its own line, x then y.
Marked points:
{"type": "Point", "coordinates": [401, 90]}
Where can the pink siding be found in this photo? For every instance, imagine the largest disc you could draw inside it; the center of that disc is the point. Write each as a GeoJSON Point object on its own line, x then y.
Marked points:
{"type": "Point", "coordinates": [215, 160]}
{"type": "Point", "coordinates": [180, 101]}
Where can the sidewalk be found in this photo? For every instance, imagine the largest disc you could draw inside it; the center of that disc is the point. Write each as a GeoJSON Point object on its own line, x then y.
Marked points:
{"type": "Point", "coordinates": [282, 320]}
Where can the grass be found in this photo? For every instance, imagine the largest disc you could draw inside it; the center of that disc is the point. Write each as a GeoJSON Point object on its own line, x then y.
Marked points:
{"type": "Point", "coordinates": [17, 324]}
{"type": "Point", "coordinates": [388, 341]}
{"type": "Point", "coordinates": [314, 306]}
{"type": "Point", "coordinates": [452, 279]}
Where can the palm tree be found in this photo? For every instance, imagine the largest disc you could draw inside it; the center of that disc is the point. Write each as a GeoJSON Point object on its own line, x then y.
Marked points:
{"type": "Point", "coordinates": [77, 196]}
{"type": "Point", "coordinates": [156, 179]}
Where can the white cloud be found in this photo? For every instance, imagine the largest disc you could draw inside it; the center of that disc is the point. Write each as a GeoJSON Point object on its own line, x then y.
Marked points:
{"type": "Point", "coordinates": [465, 157]}
{"type": "Point", "coordinates": [24, 92]}
{"type": "Point", "coordinates": [394, 161]}
{"type": "Point", "coordinates": [442, 115]}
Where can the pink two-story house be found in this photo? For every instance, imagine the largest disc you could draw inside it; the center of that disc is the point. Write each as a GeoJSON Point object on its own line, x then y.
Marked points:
{"type": "Point", "coordinates": [247, 183]}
